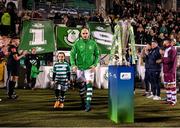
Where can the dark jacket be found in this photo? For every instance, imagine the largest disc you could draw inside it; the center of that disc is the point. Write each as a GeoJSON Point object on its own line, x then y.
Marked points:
{"type": "Point", "coordinates": [12, 62]}
{"type": "Point", "coordinates": [153, 56]}
{"type": "Point", "coordinates": [146, 60]}
{"type": "Point", "coordinates": [30, 58]}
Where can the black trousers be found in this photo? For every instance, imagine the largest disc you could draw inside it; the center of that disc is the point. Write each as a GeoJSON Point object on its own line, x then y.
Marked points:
{"type": "Point", "coordinates": [33, 82]}
{"type": "Point", "coordinates": [147, 80]}
{"type": "Point", "coordinates": [28, 74]}
{"type": "Point", "coordinates": [155, 82]}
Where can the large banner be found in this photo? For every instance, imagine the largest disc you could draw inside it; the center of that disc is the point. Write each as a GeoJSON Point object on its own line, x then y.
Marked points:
{"type": "Point", "coordinates": [39, 35]}
{"type": "Point", "coordinates": [100, 32]}
{"type": "Point", "coordinates": [66, 36]}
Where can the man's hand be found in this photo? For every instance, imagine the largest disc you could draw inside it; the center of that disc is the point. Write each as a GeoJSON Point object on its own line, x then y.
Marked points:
{"type": "Point", "coordinates": [158, 61]}
{"type": "Point", "coordinates": [24, 53]}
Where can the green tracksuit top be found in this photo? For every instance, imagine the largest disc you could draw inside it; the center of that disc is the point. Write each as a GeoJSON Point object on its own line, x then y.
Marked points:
{"type": "Point", "coordinates": [84, 54]}
{"type": "Point", "coordinates": [34, 71]}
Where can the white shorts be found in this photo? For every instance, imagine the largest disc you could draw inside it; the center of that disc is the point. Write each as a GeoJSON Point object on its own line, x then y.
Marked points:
{"type": "Point", "coordinates": [85, 76]}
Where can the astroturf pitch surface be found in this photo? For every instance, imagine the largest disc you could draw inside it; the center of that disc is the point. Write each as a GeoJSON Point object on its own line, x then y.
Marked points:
{"type": "Point", "coordinates": [35, 109]}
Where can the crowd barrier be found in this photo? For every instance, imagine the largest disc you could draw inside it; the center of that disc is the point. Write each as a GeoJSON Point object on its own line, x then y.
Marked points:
{"type": "Point", "coordinates": [44, 78]}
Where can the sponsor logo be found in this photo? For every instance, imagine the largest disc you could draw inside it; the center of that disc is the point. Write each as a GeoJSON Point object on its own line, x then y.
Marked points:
{"type": "Point", "coordinates": [125, 75]}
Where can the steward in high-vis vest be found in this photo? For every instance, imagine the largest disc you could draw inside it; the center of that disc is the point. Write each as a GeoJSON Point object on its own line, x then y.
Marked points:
{"type": "Point", "coordinates": [6, 23]}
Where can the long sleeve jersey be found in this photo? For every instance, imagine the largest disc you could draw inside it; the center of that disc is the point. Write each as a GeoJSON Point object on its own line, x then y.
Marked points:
{"type": "Point", "coordinates": [34, 71]}
{"type": "Point", "coordinates": [84, 54]}
{"type": "Point", "coordinates": [169, 60]}
{"type": "Point", "coordinates": [61, 72]}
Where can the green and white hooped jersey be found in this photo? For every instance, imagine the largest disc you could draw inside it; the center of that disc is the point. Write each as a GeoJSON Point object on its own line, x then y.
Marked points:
{"type": "Point", "coordinates": [61, 70]}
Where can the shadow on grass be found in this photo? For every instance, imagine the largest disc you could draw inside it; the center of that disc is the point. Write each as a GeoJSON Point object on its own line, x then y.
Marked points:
{"type": "Point", "coordinates": [153, 119]}
{"type": "Point", "coordinates": [15, 124]}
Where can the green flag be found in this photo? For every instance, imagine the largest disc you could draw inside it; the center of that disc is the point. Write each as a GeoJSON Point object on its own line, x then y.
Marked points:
{"type": "Point", "coordinates": [66, 36]}
{"type": "Point", "coordinates": [102, 34]}
{"type": "Point", "coordinates": [39, 35]}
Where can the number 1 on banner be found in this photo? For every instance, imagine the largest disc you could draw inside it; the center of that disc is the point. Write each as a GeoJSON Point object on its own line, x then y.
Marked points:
{"type": "Point", "coordinates": [38, 37]}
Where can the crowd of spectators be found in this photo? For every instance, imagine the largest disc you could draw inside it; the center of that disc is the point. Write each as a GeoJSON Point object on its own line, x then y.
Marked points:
{"type": "Point", "coordinates": [150, 22]}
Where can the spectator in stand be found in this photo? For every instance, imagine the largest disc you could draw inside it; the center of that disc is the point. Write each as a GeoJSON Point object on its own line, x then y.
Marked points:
{"type": "Point", "coordinates": [150, 35]}
{"type": "Point", "coordinates": [117, 8]}
{"type": "Point", "coordinates": [3, 2]}
{"type": "Point", "coordinates": [11, 7]}
{"type": "Point", "coordinates": [26, 16]}
{"type": "Point", "coordinates": [65, 19]}
{"type": "Point", "coordinates": [140, 35]}
{"type": "Point", "coordinates": [178, 39]}
{"type": "Point", "coordinates": [81, 20]}
{"type": "Point", "coordinates": [2, 7]}
{"type": "Point", "coordinates": [160, 39]}
{"type": "Point", "coordinates": [163, 29]}
{"type": "Point", "coordinates": [69, 21]}
{"type": "Point", "coordinates": [36, 15]}
{"type": "Point", "coordinates": [94, 17]}
{"type": "Point", "coordinates": [100, 17]}
{"type": "Point", "coordinates": [57, 18]}
{"type": "Point", "coordinates": [173, 42]}
{"type": "Point", "coordinates": [6, 23]}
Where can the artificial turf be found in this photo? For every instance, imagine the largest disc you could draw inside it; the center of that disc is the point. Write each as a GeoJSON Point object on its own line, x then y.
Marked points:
{"type": "Point", "coordinates": [35, 109]}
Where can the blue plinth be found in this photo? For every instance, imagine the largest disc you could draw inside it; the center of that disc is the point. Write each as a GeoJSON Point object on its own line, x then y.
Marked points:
{"type": "Point", "coordinates": [121, 94]}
